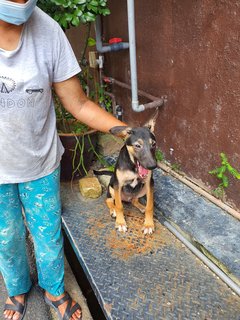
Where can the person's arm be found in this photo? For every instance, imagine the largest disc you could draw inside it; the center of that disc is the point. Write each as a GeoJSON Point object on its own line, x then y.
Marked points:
{"type": "Point", "coordinates": [76, 102]}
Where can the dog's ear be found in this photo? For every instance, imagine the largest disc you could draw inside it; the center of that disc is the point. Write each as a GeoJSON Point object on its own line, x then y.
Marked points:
{"type": "Point", "coordinates": [151, 122]}
{"type": "Point", "coordinates": [121, 131]}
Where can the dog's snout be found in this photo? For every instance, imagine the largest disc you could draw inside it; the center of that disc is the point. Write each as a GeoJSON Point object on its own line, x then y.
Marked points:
{"type": "Point", "coordinates": [148, 161]}
{"type": "Point", "coordinates": [152, 166]}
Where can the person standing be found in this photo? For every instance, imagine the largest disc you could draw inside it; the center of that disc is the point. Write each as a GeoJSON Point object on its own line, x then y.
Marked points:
{"type": "Point", "coordinates": [35, 56]}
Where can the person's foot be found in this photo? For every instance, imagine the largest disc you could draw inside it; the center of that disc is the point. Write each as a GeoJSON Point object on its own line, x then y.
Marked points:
{"type": "Point", "coordinates": [10, 314]}
{"type": "Point", "coordinates": [62, 307]}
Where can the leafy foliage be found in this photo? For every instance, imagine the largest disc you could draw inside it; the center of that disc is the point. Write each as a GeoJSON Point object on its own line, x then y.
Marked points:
{"type": "Point", "coordinates": [222, 171]}
{"type": "Point", "coordinates": [176, 167]}
{"type": "Point", "coordinates": [159, 155]}
{"type": "Point", "coordinates": [104, 100]}
{"type": "Point", "coordinates": [74, 12]}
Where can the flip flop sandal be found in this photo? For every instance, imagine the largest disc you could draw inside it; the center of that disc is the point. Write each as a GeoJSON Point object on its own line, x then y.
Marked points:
{"type": "Point", "coordinates": [69, 310]}
{"type": "Point", "coordinates": [17, 306]}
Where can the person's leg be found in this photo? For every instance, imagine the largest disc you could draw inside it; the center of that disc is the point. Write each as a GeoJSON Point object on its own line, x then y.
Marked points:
{"type": "Point", "coordinates": [13, 258]}
{"type": "Point", "coordinates": [42, 206]}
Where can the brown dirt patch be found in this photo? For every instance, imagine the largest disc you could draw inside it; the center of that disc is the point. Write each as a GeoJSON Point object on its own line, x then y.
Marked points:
{"type": "Point", "coordinates": [133, 242]}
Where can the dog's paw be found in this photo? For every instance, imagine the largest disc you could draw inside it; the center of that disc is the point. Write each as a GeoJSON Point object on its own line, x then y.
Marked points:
{"type": "Point", "coordinates": [121, 227]}
{"type": "Point", "coordinates": [142, 209]}
{"type": "Point", "coordinates": [148, 229]}
{"type": "Point", "coordinates": [113, 213]}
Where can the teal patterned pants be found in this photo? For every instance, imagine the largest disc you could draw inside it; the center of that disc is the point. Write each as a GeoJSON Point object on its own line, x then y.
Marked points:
{"type": "Point", "coordinates": [40, 200]}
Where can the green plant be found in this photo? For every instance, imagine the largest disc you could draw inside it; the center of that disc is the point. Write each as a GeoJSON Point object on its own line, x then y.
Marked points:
{"type": "Point", "coordinates": [219, 193]}
{"type": "Point", "coordinates": [74, 12]}
{"type": "Point", "coordinates": [77, 165]}
{"type": "Point", "coordinates": [176, 167]}
{"type": "Point", "coordinates": [104, 100]}
{"type": "Point", "coordinates": [222, 173]}
{"type": "Point", "coordinates": [159, 155]}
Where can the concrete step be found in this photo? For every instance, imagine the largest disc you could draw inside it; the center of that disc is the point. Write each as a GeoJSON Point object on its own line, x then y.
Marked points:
{"type": "Point", "coordinates": [141, 277]}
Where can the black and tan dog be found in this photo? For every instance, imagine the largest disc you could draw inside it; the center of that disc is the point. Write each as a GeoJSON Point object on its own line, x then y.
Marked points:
{"type": "Point", "coordinates": [132, 177]}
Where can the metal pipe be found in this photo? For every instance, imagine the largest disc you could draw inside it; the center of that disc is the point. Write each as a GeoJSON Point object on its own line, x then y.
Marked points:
{"type": "Point", "coordinates": [204, 259]}
{"type": "Point", "coordinates": [154, 104]}
{"type": "Point", "coordinates": [106, 48]}
{"type": "Point", "coordinates": [157, 102]}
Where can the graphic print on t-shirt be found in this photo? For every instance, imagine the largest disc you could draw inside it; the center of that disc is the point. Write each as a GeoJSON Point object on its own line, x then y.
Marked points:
{"type": "Point", "coordinates": [18, 98]}
{"type": "Point", "coordinates": [7, 85]}
{"type": "Point", "coordinates": [30, 91]}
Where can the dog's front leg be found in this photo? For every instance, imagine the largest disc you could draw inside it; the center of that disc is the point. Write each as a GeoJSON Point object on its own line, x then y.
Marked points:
{"type": "Point", "coordinates": [148, 227]}
{"type": "Point", "coordinates": [138, 205]}
{"type": "Point", "coordinates": [120, 220]}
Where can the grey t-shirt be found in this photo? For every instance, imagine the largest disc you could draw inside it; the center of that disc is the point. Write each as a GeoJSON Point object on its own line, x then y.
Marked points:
{"type": "Point", "coordinates": [29, 145]}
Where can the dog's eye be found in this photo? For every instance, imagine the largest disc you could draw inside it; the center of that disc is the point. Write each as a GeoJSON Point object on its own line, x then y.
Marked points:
{"type": "Point", "coordinates": [153, 144]}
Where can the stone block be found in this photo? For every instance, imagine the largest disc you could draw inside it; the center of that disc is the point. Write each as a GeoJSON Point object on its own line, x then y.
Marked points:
{"type": "Point", "coordinates": [90, 187]}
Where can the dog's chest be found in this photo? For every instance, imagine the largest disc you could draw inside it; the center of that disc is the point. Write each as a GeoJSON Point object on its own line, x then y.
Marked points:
{"type": "Point", "coordinates": [132, 188]}
{"type": "Point", "coordinates": [133, 182]}
{"type": "Point", "coordinates": [129, 178]}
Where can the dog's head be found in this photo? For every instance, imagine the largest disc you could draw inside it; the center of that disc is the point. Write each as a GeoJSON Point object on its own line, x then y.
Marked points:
{"type": "Point", "coordinates": [140, 143]}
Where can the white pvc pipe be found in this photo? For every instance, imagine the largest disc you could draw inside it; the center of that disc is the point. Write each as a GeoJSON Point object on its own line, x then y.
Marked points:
{"type": "Point", "coordinates": [132, 51]}
{"type": "Point", "coordinates": [204, 259]}
{"type": "Point", "coordinates": [106, 48]}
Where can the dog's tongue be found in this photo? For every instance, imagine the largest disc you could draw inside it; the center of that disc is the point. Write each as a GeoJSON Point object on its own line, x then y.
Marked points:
{"type": "Point", "coordinates": [142, 171]}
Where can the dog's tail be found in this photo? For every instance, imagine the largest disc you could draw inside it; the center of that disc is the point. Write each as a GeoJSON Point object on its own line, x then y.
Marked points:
{"type": "Point", "coordinates": [103, 172]}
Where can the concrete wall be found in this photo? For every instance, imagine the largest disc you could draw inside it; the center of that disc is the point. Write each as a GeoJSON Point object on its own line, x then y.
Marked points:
{"type": "Point", "coordinates": [190, 51]}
